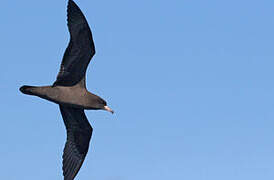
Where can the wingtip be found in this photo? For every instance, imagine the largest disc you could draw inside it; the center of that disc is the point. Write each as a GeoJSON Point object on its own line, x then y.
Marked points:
{"type": "Point", "coordinates": [74, 13]}
{"type": "Point", "coordinates": [71, 3]}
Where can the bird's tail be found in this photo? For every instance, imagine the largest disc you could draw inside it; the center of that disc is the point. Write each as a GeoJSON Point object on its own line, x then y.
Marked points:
{"type": "Point", "coordinates": [30, 90]}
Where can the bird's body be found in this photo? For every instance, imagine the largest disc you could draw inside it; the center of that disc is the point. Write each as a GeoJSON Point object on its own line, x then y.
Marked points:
{"type": "Point", "coordinates": [76, 96]}
{"type": "Point", "coordinates": [70, 93]}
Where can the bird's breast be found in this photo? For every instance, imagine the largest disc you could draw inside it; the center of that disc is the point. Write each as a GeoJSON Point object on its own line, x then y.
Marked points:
{"type": "Point", "coordinates": [69, 96]}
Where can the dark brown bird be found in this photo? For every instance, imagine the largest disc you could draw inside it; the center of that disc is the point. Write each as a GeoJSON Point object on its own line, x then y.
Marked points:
{"type": "Point", "coordinates": [69, 91]}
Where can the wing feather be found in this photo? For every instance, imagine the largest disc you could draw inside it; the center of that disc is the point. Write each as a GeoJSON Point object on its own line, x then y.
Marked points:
{"type": "Point", "coordinates": [80, 49]}
{"type": "Point", "coordinates": [79, 133]}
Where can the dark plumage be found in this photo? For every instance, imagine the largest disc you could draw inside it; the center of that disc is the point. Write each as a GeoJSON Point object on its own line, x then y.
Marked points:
{"type": "Point", "coordinates": [69, 91]}
{"type": "Point", "coordinates": [79, 51]}
{"type": "Point", "coordinates": [79, 133]}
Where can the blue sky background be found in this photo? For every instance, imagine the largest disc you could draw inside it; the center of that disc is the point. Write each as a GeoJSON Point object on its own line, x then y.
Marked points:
{"type": "Point", "coordinates": [191, 83]}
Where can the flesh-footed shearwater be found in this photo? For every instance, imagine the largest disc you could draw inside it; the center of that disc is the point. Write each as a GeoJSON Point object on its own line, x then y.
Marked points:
{"type": "Point", "coordinates": [69, 91]}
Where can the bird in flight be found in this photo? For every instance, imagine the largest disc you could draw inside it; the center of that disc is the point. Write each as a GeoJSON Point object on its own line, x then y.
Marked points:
{"type": "Point", "coordinates": [70, 93]}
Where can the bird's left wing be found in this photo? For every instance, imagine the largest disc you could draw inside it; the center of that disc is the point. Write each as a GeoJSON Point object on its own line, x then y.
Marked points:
{"type": "Point", "coordinates": [79, 51]}
{"type": "Point", "coordinates": [79, 132]}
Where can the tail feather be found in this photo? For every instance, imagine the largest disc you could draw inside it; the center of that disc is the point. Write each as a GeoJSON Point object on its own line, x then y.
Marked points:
{"type": "Point", "coordinates": [27, 89]}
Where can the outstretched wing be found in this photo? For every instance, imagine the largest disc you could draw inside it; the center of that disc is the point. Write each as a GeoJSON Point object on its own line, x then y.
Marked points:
{"type": "Point", "coordinates": [79, 51]}
{"type": "Point", "coordinates": [79, 132]}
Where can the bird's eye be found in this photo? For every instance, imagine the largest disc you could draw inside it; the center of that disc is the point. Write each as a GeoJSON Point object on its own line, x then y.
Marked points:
{"type": "Point", "coordinates": [104, 102]}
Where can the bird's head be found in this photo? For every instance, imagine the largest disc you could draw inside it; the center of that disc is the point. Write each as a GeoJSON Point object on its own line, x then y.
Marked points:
{"type": "Point", "coordinates": [100, 104]}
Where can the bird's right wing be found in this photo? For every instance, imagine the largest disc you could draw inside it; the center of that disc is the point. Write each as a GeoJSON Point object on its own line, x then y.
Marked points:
{"type": "Point", "coordinates": [80, 49]}
{"type": "Point", "coordinates": [79, 132]}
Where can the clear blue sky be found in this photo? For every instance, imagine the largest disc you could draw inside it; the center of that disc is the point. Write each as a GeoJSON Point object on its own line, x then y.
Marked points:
{"type": "Point", "coordinates": [191, 83]}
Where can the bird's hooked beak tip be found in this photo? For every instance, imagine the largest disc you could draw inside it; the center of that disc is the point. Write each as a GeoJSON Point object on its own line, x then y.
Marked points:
{"type": "Point", "coordinates": [108, 109]}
